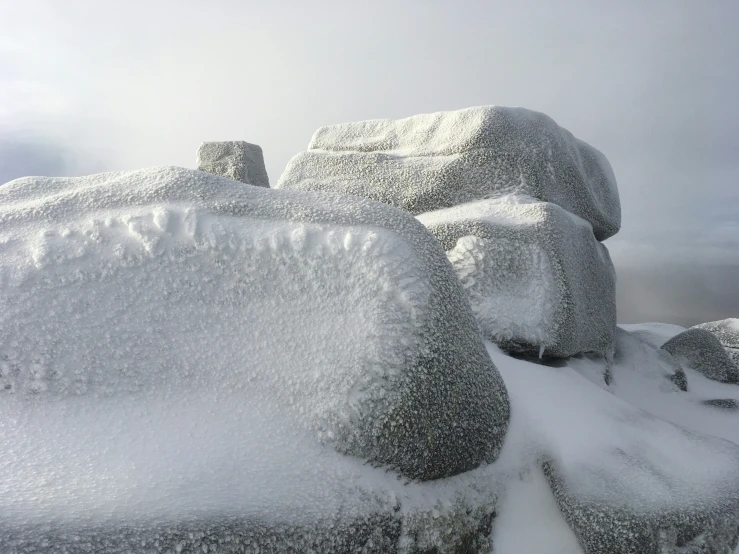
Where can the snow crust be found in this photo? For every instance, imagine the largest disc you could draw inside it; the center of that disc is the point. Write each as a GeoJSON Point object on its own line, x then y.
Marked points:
{"type": "Point", "coordinates": [537, 279]}
{"type": "Point", "coordinates": [432, 161]}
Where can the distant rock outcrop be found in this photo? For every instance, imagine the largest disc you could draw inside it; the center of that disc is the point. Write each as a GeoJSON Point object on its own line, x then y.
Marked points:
{"type": "Point", "coordinates": [727, 333]}
{"type": "Point", "coordinates": [237, 160]}
{"type": "Point", "coordinates": [438, 160]}
{"type": "Point", "coordinates": [703, 352]}
{"type": "Point", "coordinates": [537, 279]}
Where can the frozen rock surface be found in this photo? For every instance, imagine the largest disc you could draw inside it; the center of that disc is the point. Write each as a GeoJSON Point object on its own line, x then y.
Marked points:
{"type": "Point", "coordinates": [432, 161]}
{"type": "Point", "coordinates": [703, 351]}
{"type": "Point", "coordinates": [172, 282]}
{"type": "Point", "coordinates": [626, 481]}
{"type": "Point", "coordinates": [727, 333]}
{"type": "Point", "coordinates": [537, 280]}
{"type": "Point", "coordinates": [237, 160]}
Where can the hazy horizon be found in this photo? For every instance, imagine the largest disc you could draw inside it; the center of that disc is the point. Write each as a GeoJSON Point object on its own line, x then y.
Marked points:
{"type": "Point", "coordinates": [87, 87]}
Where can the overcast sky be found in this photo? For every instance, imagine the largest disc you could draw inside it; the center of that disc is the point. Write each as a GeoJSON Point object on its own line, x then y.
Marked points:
{"type": "Point", "coordinates": [89, 86]}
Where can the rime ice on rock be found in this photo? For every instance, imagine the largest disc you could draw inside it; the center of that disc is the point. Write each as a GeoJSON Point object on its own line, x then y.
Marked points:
{"type": "Point", "coordinates": [727, 333]}
{"type": "Point", "coordinates": [702, 351]}
{"type": "Point", "coordinates": [537, 280]}
{"type": "Point", "coordinates": [237, 160]}
{"type": "Point", "coordinates": [178, 347]}
{"type": "Point", "coordinates": [432, 161]}
{"type": "Point", "coordinates": [185, 281]}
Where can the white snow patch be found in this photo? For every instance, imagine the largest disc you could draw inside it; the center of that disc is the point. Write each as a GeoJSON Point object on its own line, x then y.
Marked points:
{"type": "Point", "coordinates": [529, 520]}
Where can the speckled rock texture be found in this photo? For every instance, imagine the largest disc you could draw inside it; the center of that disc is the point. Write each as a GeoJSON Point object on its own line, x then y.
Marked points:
{"type": "Point", "coordinates": [708, 527]}
{"type": "Point", "coordinates": [727, 333]}
{"type": "Point", "coordinates": [703, 352]}
{"type": "Point", "coordinates": [438, 160]}
{"type": "Point", "coordinates": [463, 530]}
{"type": "Point", "coordinates": [701, 525]}
{"type": "Point", "coordinates": [237, 160]}
{"type": "Point", "coordinates": [537, 279]}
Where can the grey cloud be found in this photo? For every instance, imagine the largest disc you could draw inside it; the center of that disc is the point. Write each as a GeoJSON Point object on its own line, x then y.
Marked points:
{"type": "Point", "coordinates": [19, 158]}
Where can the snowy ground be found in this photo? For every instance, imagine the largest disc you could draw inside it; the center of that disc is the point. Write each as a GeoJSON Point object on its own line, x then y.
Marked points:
{"type": "Point", "coordinates": [566, 409]}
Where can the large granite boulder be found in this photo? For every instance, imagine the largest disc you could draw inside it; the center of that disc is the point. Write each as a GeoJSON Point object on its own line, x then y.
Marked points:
{"type": "Point", "coordinates": [537, 279]}
{"type": "Point", "coordinates": [237, 160]}
{"type": "Point", "coordinates": [727, 333]}
{"type": "Point", "coordinates": [185, 280]}
{"type": "Point", "coordinates": [702, 351]}
{"type": "Point", "coordinates": [432, 161]}
{"type": "Point", "coordinates": [189, 363]}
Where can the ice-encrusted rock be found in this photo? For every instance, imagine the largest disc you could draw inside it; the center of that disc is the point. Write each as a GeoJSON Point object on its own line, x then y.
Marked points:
{"type": "Point", "coordinates": [237, 160]}
{"type": "Point", "coordinates": [432, 161]}
{"type": "Point", "coordinates": [702, 351]}
{"type": "Point", "coordinates": [626, 482]}
{"type": "Point", "coordinates": [537, 279]}
{"type": "Point", "coordinates": [727, 333]}
{"type": "Point", "coordinates": [723, 403]}
{"type": "Point", "coordinates": [711, 525]}
{"type": "Point", "coordinates": [211, 285]}
{"type": "Point", "coordinates": [185, 363]}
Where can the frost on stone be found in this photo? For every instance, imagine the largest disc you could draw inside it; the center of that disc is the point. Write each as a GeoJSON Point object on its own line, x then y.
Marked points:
{"type": "Point", "coordinates": [537, 280]}
{"type": "Point", "coordinates": [727, 333]}
{"type": "Point", "coordinates": [438, 160]}
{"type": "Point", "coordinates": [237, 160]}
{"type": "Point", "coordinates": [700, 349]}
{"type": "Point", "coordinates": [342, 311]}
{"type": "Point", "coordinates": [625, 480]}
{"type": "Point", "coordinates": [178, 350]}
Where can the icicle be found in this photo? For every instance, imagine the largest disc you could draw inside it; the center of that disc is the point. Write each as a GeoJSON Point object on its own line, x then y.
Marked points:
{"type": "Point", "coordinates": [541, 351]}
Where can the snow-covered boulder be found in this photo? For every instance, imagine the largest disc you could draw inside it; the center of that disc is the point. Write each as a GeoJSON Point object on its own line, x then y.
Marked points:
{"type": "Point", "coordinates": [625, 481]}
{"type": "Point", "coordinates": [237, 160]}
{"type": "Point", "coordinates": [432, 161]}
{"type": "Point", "coordinates": [537, 279]}
{"type": "Point", "coordinates": [727, 333]}
{"type": "Point", "coordinates": [703, 351]}
{"type": "Point", "coordinates": [342, 311]}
